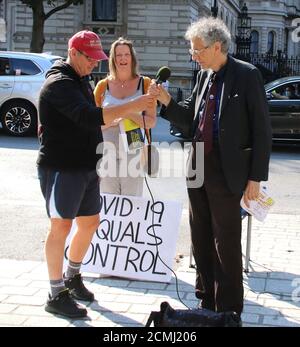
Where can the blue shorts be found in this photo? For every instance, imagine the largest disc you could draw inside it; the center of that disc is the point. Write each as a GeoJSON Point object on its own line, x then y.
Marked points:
{"type": "Point", "coordinates": [70, 194]}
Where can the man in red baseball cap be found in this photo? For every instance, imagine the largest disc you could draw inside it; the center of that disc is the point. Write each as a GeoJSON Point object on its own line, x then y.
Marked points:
{"type": "Point", "coordinates": [69, 133]}
{"type": "Point", "coordinates": [88, 43]}
{"type": "Point", "coordinates": [85, 51]}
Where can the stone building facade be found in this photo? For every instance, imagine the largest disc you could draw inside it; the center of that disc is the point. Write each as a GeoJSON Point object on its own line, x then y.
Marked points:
{"type": "Point", "coordinates": [274, 26]}
{"type": "Point", "coordinates": [157, 28]}
{"type": "Point", "coordinates": [18, 19]}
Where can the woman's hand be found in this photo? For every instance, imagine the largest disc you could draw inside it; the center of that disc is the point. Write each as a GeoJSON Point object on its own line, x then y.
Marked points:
{"type": "Point", "coordinates": [142, 103]}
{"type": "Point", "coordinates": [112, 114]}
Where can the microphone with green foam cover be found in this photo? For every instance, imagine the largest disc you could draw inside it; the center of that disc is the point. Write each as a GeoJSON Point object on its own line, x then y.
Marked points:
{"type": "Point", "coordinates": [162, 74]}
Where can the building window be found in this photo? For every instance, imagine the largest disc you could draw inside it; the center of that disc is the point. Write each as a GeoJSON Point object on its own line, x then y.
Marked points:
{"type": "Point", "coordinates": [105, 10]}
{"type": "Point", "coordinates": [271, 40]}
{"type": "Point", "coordinates": [254, 42]}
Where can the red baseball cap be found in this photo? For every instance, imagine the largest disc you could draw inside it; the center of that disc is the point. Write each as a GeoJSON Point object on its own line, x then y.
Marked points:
{"type": "Point", "coordinates": [89, 43]}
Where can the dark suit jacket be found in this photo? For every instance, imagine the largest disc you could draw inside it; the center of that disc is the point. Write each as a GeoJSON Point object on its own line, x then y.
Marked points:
{"type": "Point", "coordinates": [244, 124]}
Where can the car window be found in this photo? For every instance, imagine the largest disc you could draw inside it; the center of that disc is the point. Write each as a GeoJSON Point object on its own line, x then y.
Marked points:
{"type": "Point", "coordinates": [289, 91]}
{"type": "Point", "coordinates": [297, 90]}
{"type": "Point", "coordinates": [273, 84]}
{"type": "Point", "coordinates": [5, 69]}
{"type": "Point", "coordinates": [24, 67]}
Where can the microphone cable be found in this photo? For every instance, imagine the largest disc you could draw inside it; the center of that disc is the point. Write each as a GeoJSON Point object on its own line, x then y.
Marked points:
{"type": "Point", "coordinates": [147, 135]}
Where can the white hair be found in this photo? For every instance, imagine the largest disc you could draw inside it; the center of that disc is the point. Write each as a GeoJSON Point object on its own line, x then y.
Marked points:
{"type": "Point", "coordinates": [210, 30]}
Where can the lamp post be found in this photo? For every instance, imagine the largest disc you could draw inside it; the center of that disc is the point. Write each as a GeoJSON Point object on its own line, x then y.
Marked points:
{"type": "Point", "coordinates": [243, 38]}
{"type": "Point", "coordinates": [214, 9]}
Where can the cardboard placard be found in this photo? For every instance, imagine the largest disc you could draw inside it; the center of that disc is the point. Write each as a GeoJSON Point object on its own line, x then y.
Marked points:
{"type": "Point", "coordinates": [133, 238]}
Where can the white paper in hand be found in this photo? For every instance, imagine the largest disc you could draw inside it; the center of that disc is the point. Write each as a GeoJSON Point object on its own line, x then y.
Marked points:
{"type": "Point", "coordinates": [260, 207]}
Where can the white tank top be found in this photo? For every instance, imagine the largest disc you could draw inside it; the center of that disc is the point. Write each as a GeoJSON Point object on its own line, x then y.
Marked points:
{"type": "Point", "coordinates": [111, 134]}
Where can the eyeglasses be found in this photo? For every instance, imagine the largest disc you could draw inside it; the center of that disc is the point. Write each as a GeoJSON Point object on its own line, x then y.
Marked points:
{"type": "Point", "coordinates": [89, 59]}
{"type": "Point", "coordinates": [197, 51]}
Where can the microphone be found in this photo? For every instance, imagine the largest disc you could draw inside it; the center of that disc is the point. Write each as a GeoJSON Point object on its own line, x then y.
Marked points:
{"type": "Point", "coordinates": [162, 74]}
{"type": "Point", "coordinates": [151, 153]}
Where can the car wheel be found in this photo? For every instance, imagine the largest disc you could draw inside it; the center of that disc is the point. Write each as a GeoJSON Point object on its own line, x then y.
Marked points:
{"type": "Point", "coordinates": [19, 118]}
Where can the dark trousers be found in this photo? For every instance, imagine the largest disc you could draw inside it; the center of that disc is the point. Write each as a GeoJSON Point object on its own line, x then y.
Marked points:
{"type": "Point", "coordinates": [215, 221]}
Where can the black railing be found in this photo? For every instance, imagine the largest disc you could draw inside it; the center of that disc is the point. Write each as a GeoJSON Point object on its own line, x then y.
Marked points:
{"type": "Point", "coordinates": [97, 76]}
{"type": "Point", "coordinates": [271, 66]}
{"type": "Point", "coordinates": [179, 94]}
{"type": "Point", "coordinates": [274, 66]}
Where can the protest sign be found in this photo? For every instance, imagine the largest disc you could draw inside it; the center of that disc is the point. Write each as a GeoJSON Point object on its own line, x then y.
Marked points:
{"type": "Point", "coordinates": [134, 237]}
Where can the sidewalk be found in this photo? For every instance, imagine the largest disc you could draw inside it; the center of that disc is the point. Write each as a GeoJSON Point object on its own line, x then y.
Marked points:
{"type": "Point", "coordinates": [272, 287]}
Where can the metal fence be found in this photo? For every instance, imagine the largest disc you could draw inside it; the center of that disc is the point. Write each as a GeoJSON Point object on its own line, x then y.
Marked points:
{"type": "Point", "coordinates": [271, 66]}
{"type": "Point", "coordinates": [97, 76]}
{"type": "Point", "coordinates": [274, 66]}
{"type": "Point", "coordinates": [179, 94]}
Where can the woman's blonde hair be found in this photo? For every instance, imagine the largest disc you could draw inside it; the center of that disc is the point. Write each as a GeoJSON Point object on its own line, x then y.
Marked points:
{"type": "Point", "coordinates": [112, 57]}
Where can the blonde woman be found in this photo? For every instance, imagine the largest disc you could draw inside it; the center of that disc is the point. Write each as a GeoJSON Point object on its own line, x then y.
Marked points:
{"type": "Point", "coordinates": [123, 84]}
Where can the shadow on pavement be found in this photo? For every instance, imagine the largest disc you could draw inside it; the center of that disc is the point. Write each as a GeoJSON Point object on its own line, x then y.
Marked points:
{"type": "Point", "coordinates": [13, 142]}
{"type": "Point", "coordinates": [272, 298]}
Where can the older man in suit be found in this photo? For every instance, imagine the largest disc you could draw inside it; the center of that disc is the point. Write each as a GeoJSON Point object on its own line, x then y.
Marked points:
{"type": "Point", "coordinates": [228, 112]}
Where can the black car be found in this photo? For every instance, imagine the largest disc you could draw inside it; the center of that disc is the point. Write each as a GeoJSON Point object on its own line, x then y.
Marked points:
{"type": "Point", "coordinates": [283, 97]}
{"type": "Point", "coordinates": [284, 105]}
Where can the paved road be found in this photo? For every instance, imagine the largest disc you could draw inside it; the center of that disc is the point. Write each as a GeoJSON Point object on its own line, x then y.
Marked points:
{"type": "Point", "coordinates": [23, 222]}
